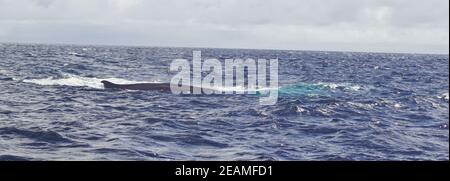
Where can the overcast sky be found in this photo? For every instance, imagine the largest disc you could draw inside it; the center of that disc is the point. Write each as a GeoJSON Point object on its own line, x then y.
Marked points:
{"type": "Point", "coordinates": [417, 26]}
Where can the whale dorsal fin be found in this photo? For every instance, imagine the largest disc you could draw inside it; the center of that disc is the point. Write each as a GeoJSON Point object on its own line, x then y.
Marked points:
{"type": "Point", "coordinates": [108, 84]}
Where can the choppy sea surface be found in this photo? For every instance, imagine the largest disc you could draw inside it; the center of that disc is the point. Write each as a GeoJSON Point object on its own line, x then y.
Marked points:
{"type": "Point", "coordinates": [332, 106]}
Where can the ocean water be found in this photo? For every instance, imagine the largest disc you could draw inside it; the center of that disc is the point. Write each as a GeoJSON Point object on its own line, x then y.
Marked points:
{"type": "Point", "coordinates": [332, 106]}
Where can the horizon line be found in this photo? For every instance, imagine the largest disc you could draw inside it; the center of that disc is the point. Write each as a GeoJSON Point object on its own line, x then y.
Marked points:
{"type": "Point", "coordinates": [226, 48]}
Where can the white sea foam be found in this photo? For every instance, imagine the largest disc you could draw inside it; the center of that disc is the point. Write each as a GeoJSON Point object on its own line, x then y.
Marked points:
{"type": "Point", "coordinates": [7, 74]}
{"type": "Point", "coordinates": [346, 86]}
{"type": "Point", "coordinates": [79, 81]}
{"type": "Point", "coordinates": [397, 105]}
{"type": "Point", "coordinates": [3, 72]}
{"type": "Point", "coordinates": [444, 96]}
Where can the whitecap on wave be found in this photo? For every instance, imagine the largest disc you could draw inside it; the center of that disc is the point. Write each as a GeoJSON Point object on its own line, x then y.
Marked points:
{"type": "Point", "coordinates": [444, 96]}
{"type": "Point", "coordinates": [345, 86]}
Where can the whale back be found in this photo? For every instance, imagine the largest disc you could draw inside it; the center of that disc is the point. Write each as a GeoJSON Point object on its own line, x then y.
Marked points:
{"type": "Point", "coordinates": [142, 86]}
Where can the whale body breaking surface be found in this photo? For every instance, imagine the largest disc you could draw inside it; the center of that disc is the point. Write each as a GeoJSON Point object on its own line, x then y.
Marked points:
{"type": "Point", "coordinates": [165, 87]}
{"type": "Point", "coordinates": [140, 86]}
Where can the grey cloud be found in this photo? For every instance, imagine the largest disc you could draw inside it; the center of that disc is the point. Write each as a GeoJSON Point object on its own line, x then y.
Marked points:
{"type": "Point", "coordinates": [355, 25]}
